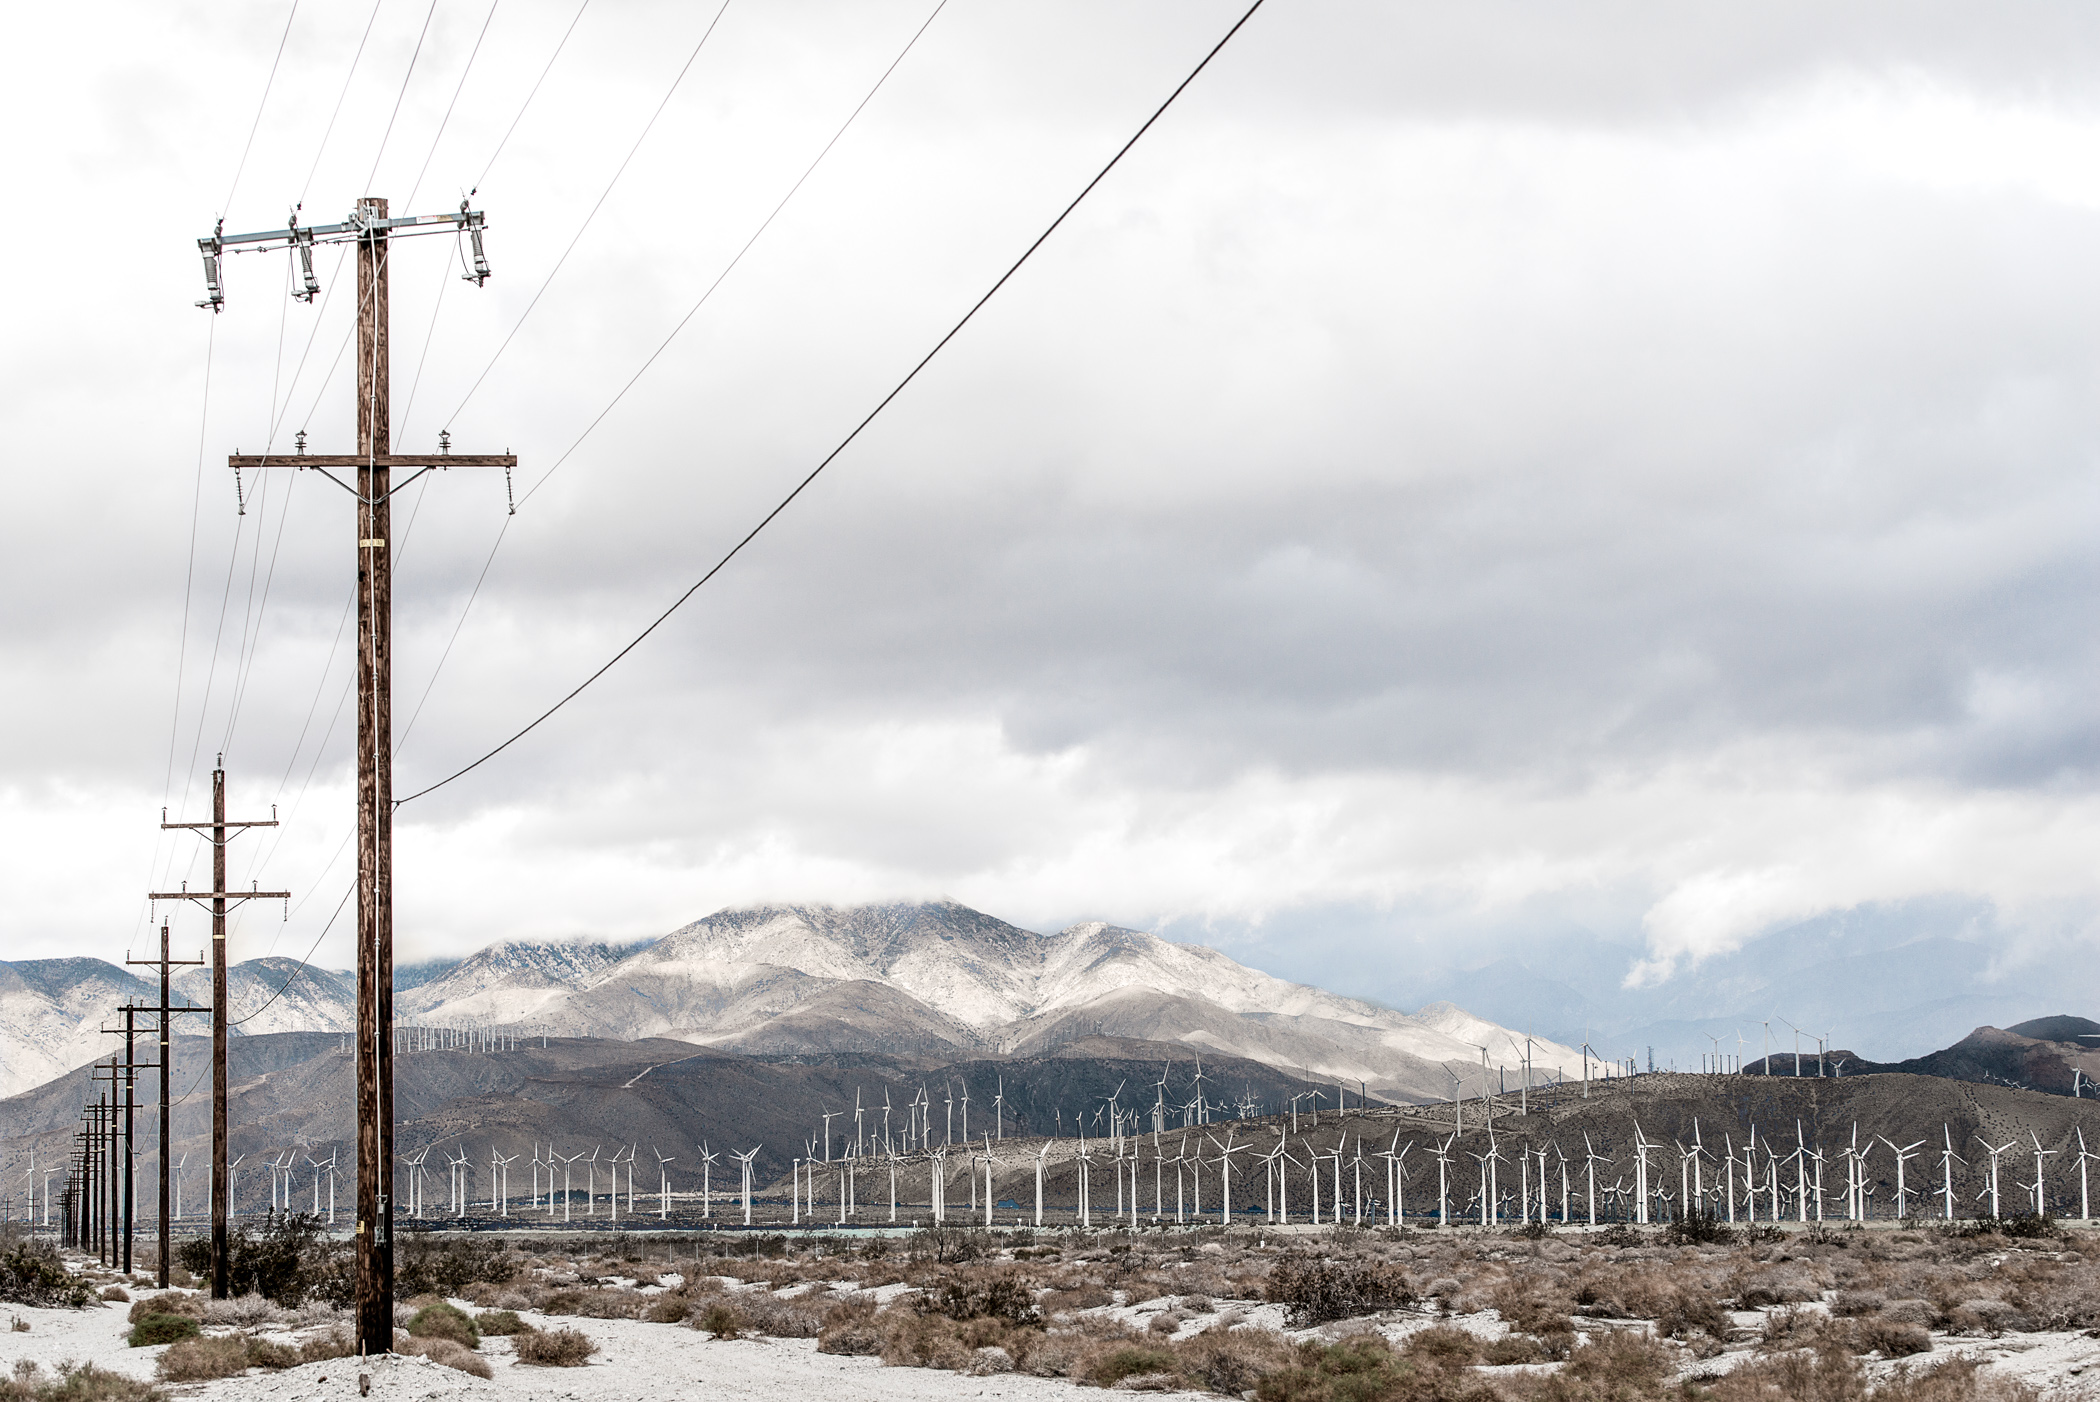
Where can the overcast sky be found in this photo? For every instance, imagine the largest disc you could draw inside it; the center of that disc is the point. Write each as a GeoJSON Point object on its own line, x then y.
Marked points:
{"type": "Point", "coordinates": [1621, 471]}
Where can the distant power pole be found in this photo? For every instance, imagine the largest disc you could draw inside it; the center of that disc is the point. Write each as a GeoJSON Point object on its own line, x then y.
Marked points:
{"type": "Point", "coordinates": [370, 228]}
{"type": "Point", "coordinates": [132, 1067]}
{"type": "Point", "coordinates": [167, 1066]}
{"type": "Point", "coordinates": [221, 832]}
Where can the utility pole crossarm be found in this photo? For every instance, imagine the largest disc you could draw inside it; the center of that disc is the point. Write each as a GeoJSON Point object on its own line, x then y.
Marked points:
{"type": "Point", "coordinates": [229, 823]}
{"type": "Point", "coordinates": [368, 222]}
{"type": "Point", "coordinates": [213, 896]}
{"type": "Point", "coordinates": [391, 460]}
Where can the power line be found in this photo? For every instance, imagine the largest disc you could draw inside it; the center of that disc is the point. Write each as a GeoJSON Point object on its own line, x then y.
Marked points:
{"type": "Point", "coordinates": [414, 54]}
{"type": "Point", "coordinates": [731, 265]}
{"type": "Point", "coordinates": [602, 197]}
{"type": "Point", "coordinates": [651, 360]}
{"type": "Point", "coordinates": [847, 441]}
{"type": "Point", "coordinates": [456, 91]}
{"type": "Point", "coordinates": [329, 130]}
{"type": "Point", "coordinates": [527, 103]}
{"type": "Point", "coordinates": [256, 125]}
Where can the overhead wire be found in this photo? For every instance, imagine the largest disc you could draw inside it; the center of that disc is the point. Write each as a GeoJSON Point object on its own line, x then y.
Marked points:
{"type": "Point", "coordinates": [599, 418]}
{"type": "Point", "coordinates": [262, 104]}
{"type": "Point", "coordinates": [730, 267]}
{"type": "Point", "coordinates": [603, 195]}
{"type": "Point", "coordinates": [329, 130]}
{"type": "Point", "coordinates": [859, 428]}
{"type": "Point", "coordinates": [460, 87]}
{"type": "Point", "coordinates": [395, 114]}
{"type": "Point", "coordinates": [561, 44]}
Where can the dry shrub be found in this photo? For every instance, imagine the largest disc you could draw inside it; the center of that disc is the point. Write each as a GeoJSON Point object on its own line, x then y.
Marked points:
{"type": "Point", "coordinates": [1319, 1291]}
{"type": "Point", "coordinates": [245, 1311]}
{"type": "Point", "coordinates": [1199, 1304]}
{"type": "Point", "coordinates": [722, 1319]}
{"type": "Point", "coordinates": [1165, 1322]}
{"type": "Point", "coordinates": [77, 1382]}
{"type": "Point", "coordinates": [797, 1317]}
{"type": "Point", "coordinates": [268, 1353]}
{"type": "Point", "coordinates": [169, 1302]}
{"type": "Point", "coordinates": [116, 1295]}
{"type": "Point", "coordinates": [161, 1329]}
{"type": "Point", "coordinates": [336, 1343]}
{"type": "Point", "coordinates": [1129, 1360]}
{"type": "Point", "coordinates": [439, 1320]}
{"type": "Point", "coordinates": [1692, 1311]}
{"type": "Point", "coordinates": [667, 1309]}
{"type": "Point", "coordinates": [596, 1304]}
{"type": "Point", "coordinates": [1004, 1297]}
{"type": "Point", "coordinates": [1921, 1312]}
{"type": "Point", "coordinates": [1444, 1346]}
{"type": "Point", "coordinates": [555, 1348]}
{"type": "Point", "coordinates": [1081, 1297]}
{"type": "Point", "coordinates": [850, 1328]}
{"type": "Point", "coordinates": [1534, 1306]}
{"type": "Point", "coordinates": [500, 1322]}
{"type": "Point", "coordinates": [1620, 1365]}
{"type": "Point", "coordinates": [1891, 1339]}
{"type": "Point", "coordinates": [451, 1354]}
{"type": "Point", "coordinates": [1847, 1304]}
{"type": "Point", "coordinates": [1230, 1361]}
{"type": "Point", "coordinates": [1762, 1289]}
{"type": "Point", "coordinates": [1364, 1368]}
{"type": "Point", "coordinates": [1512, 1348]}
{"type": "Point", "coordinates": [202, 1360]}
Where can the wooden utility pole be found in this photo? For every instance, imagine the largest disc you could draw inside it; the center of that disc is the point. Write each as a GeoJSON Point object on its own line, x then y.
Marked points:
{"type": "Point", "coordinates": [166, 1069]}
{"type": "Point", "coordinates": [371, 228]}
{"type": "Point", "coordinates": [217, 899]}
{"type": "Point", "coordinates": [132, 1067]}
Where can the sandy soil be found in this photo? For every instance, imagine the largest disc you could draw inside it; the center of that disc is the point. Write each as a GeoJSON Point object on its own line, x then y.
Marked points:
{"type": "Point", "coordinates": [639, 1361]}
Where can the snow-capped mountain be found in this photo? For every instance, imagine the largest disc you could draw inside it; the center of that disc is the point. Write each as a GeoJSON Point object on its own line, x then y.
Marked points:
{"type": "Point", "coordinates": [932, 978]}
{"type": "Point", "coordinates": [52, 1011]}
{"type": "Point", "coordinates": [510, 981]}
{"type": "Point", "coordinates": [939, 976]}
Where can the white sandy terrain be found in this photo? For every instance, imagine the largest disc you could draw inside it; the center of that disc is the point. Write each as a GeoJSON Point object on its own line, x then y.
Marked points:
{"type": "Point", "coordinates": [656, 1362]}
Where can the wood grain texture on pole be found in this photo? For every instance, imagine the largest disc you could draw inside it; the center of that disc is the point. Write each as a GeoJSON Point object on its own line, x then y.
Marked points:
{"type": "Point", "coordinates": [220, 1192]}
{"type": "Point", "coordinates": [375, 954]}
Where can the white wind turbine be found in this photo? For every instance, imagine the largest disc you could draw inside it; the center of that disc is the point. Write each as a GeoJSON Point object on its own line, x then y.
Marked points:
{"type": "Point", "coordinates": [2085, 1202]}
{"type": "Point", "coordinates": [458, 1167]}
{"type": "Point", "coordinates": [1225, 1153]}
{"type": "Point", "coordinates": [1042, 1155]}
{"type": "Point", "coordinates": [568, 1162]}
{"type": "Point", "coordinates": [590, 1168]}
{"type": "Point", "coordinates": [1904, 1154]}
{"type": "Point", "coordinates": [1443, 1181]}
{"type": "Point", "coordinates": [1641, 1149]}
{"type": "Point", "coordinates": [1948, 1158]}
{"type": "Point", "coordinates": [499, 1181]}
{"type": "Point", "coordinates": [1994, 1153]}
{"type": "Point", "coordinates": [744, 1162]}
{"type": "Point", "coordinates": [707, 1167]}
{"type": "Point", "coordinates": [663, 1175]}
{"type": "Point", "coordinates": [2037, 1187]}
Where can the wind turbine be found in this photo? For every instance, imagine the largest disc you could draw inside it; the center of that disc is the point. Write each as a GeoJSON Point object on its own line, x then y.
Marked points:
{"type": "Point", "coordinates": [707, 1166]}
{"type": "Point", "coordinates": [744, 1160]}
{"type": "Point", "coordinates": [1994, 1153]}
{"type": "Point", "coordinates": [2040, 1198]}
{"type": "Point", "coordinates": [567, 1162]}
{"type": "Point", "coordinates": [1948, 1158]}
{"type": "Point", "coordinates": [663, 1197]}
{"type": "Point", "coordinates": [499, 1182]}
{"type": "Point", "coordinates": [999, 1110]}
{"type": "Point", "coordinates": [1225, 1153]}
{"type": "Point", "coordinates": [2085, 1202]}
